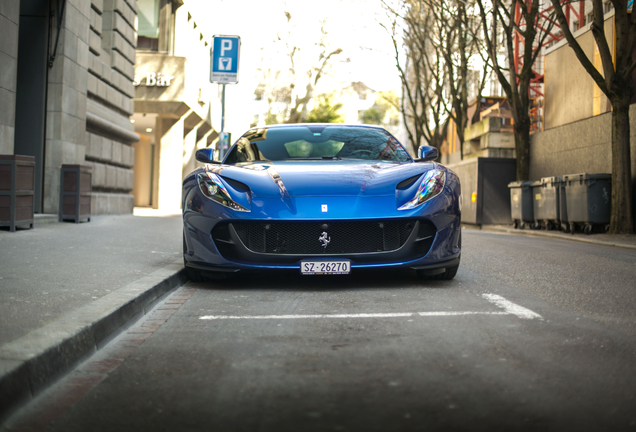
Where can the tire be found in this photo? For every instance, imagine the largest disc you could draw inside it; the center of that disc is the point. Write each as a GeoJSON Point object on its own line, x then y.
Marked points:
{"type": "Point", "coordinates": [588, 229]}
{"type": "Point", "coordinates": [194, 275]}
{"type": "Point", "coordinates": [448, 274]}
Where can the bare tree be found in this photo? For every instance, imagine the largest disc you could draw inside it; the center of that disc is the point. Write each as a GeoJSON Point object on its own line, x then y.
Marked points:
{"type": "Point", "coordinates": [503, 20]}
{"type": "Point", "coordinates": [293, 86]}
{"type": "Point", "coordinates": [616, 82]}
{"type": "Point", "coordinates": [455, 40]}
{"type": "Point", "coordinates": [421, 73]}
{"type": "Point", "coordinates": [439, 39]}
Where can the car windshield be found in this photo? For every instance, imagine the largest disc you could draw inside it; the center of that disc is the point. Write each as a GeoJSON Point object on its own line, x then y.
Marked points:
{"type": "Point", "coordinates": [318, 142]}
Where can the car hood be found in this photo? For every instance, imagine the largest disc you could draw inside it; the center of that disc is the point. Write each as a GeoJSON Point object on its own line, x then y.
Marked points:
{"type": "Point", "coordinates": [322, 178]}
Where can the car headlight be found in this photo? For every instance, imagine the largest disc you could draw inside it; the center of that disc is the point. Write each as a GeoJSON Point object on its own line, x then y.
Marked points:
{"type": "Point", "coordinates": [211, 186]}
{"type": "Point", "coordinates": [431, 185]}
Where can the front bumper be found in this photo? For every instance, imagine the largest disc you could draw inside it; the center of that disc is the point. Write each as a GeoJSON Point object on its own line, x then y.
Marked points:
{"type": "Point", "coordinates": [205, 249]}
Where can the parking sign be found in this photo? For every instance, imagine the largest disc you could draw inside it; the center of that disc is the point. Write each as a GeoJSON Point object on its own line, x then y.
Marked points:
{"type": "Point", "coordinates": [225, 59]}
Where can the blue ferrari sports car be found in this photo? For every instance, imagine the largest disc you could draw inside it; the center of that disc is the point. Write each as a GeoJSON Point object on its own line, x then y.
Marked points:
{"type": "Point", "coordinates": [321, 199]}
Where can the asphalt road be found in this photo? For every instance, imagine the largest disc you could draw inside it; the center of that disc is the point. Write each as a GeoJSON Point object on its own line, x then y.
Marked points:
{"type": "Point", "coordinates": [533, 334]}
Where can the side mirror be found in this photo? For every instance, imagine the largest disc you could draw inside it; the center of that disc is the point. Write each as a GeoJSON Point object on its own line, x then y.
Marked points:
{"type": "Point", "coordinates": [426, 153]}
{"type": "Point", "coordinates": [206, 155]}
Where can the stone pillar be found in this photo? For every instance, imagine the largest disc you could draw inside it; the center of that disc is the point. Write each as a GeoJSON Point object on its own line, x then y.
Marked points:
{"type": "Point", "coordinates": [9, 21]}
{"type": "Point", "coordinates": [66, 100]}
{"type": "Point", "coordinates": [169, 157]}
{"type": "Point", "coordinates": [189, 150]}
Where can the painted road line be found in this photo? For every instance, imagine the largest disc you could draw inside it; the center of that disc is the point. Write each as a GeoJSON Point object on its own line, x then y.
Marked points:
{"type": "Point", "coordinates": [510, 307]}
{"type": "Point", "coordinates": [426, 314]}
{"type": "Point", "coordinates": [264, 317]}
{"type": "Point", "coordinates": [333, 316]}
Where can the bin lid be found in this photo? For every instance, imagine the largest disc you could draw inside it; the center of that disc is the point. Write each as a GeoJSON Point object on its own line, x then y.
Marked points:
{"type": "Point", "coordinates": [585, 176]}
{"type": "Point", "coordinates": [587, 179]}
{"type": "Point", "coordinates": [551, 180]}
{"type": "Point", "coordinates": [520, 184]}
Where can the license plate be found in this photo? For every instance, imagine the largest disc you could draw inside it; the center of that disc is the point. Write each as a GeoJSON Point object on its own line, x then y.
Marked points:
{"type": "Point", "coordinates": [325, 267]}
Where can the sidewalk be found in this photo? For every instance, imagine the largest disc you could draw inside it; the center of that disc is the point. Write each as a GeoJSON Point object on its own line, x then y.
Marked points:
{"type": "Point", "coordinates": [66, 289]}
{"type": "Point", "coordinates": [616, 240]}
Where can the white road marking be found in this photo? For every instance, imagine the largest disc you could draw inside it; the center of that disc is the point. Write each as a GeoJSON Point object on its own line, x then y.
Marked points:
{"type": "Point", "coordinates": [330, 316]}
{"type": "Point", "coordinates": [261, 317]}
{"type": "Point", "coordinates": [510, 307]}
{"type": "Point", "coordinates": [425, 314]}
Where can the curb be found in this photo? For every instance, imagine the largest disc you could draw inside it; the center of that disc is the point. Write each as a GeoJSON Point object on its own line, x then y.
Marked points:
{"type": "Point", "coordinates": [35, 361]}
{"type": "Point", "coordinates": [570, 237]}
{"type": "Point", "coordinates": [45, 219]}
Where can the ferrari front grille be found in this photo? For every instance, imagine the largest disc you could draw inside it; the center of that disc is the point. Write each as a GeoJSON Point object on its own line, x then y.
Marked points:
{"type": "Point", "coordinates": [324, 238]}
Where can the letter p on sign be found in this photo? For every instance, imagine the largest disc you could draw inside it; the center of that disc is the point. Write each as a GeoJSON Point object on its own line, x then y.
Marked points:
{"type": "Point", "coordinates": [226, 45]}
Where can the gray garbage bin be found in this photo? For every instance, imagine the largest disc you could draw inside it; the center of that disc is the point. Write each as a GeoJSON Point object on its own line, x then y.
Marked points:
{"type": "Point", "coordinates": [521, 209]}
{"type": "Point", "coordinates": [589, 201]}
{"type": "Point", "coordinates": [545, 202]}
{"type": "Point", "coordinates": [563, 208]}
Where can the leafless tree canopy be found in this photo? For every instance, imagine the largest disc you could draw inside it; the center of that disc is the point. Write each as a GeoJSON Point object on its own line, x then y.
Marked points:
{"type": "Point", "coordinates": [434, 62]}
{"type": "Point", "coordinates": [289, 83]}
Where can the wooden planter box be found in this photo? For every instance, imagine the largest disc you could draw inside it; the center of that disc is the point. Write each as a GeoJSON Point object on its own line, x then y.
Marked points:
{"type": "Point", "coordinates": [75, 193]}
{"type": "Point", "coordinates": [17, 180]}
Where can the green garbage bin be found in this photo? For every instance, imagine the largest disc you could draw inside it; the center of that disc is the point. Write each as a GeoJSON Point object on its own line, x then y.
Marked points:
{"type": "Point", "coordinates": [589, 201]}
{"type": "Point", "coordinates": [521, 210]}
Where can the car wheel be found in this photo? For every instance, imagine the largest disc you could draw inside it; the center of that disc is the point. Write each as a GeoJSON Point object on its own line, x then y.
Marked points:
{"type": "Point", "coordinates": [194, 275]}
{"type": "Point", "coordinates": [448, 274]}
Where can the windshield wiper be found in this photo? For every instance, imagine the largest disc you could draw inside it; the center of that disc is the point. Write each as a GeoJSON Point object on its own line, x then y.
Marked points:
{"type": "Point", "coordinates": [317, 158]}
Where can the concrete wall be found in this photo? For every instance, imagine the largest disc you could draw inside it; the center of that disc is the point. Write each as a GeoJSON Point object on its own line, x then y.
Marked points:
{"type": "Point", "coordinates": [9, 20]}
{"type": "Point", "coordinates": [583, 146]}
{"type": "Point", "coordinates": [485, 193]}
{"type": "Point", "coordinates": [570, 93]}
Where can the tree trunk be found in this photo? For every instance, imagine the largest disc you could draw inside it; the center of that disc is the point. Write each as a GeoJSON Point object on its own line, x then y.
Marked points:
{"type": "Point", "coordinates": [622, 220]}
{"type": "Point", "coordinates": [522, 147]}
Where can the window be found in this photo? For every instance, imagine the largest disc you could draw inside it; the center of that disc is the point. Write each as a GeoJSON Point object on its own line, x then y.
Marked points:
{"type": "Point", "coordinates": [148, 14]}
{"type": "Point", "coordinates": [145, 43]}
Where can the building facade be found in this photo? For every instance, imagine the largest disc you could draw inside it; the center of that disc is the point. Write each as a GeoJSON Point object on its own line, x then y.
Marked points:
{"type": "Point", "coordinates": [172, 112]}
{"type": "Point", "coordinates": [66, 91]}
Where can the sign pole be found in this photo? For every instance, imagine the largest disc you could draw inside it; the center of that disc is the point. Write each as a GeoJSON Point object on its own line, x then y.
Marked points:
{"type": "Point", "coordinates": [224, 61]}
{"type": "Point", "coordinates": [222, 139]}
{"type": "Point", "coordinates": [223, 109]}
